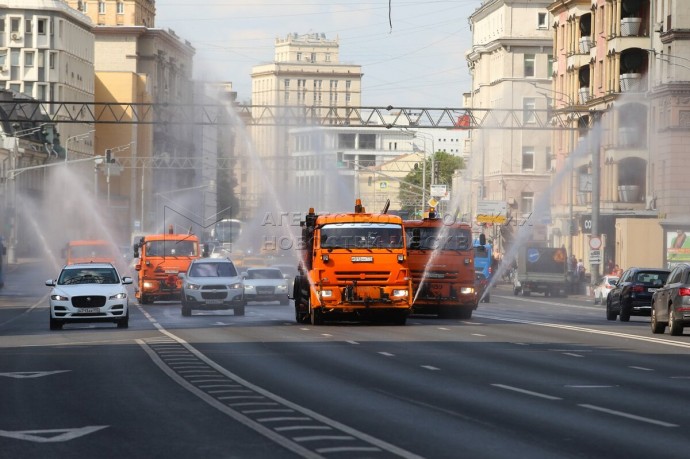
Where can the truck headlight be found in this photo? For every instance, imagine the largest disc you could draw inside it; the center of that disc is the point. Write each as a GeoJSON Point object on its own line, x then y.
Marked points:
{"type": "Point", "coordinates": [149, 285]}
{"type": "Point", "coordinates": [326, 293]}
{"type": "Point", "coordinates": [400, 293]}
{"type": "Point", "coordinates": [466, 290]}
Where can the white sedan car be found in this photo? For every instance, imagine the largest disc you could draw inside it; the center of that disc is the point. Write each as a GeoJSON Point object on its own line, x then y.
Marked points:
{"type": "Point", "coordinates": [602, 289]}
{"type": "Point", "coordinates": [89, 292]}
{"type": "Point", "coordinates": [265, 284]}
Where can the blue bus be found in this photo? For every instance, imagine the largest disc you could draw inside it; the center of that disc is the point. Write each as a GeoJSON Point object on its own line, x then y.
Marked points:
{"type": "Point", "coordinates": [483, 257]}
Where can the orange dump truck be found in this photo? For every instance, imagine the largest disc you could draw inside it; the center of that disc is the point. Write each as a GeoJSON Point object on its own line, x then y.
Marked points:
{"type": "Point", "coordinates": [441, 261]}
{"type": "Point", "coordinates": [161, 258]}
{"type": "Point", "coordinates": [92, 250]}
{"type": "Point", "coordinates": [354, 266]}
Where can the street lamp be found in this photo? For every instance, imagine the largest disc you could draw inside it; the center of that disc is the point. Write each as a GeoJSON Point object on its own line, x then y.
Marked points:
{"type": "Point", "coordinates": [76, 137]}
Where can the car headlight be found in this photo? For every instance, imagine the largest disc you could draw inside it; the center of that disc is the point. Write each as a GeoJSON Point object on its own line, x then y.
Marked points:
{"type": "Point", "coordinates": [57, 297]}
{"type": "Point", "coordinates": [234, 286]}
{"type": "Point", "coordinates": [400, 293]}
{"type": "Point", "coordinates": [281, 287]}
{"type": "Point", "coordinates": [249, 287]}
{"type": "Point", "coordinates": [466, 290]}
{"type": "Point", "coordinates": [118, 296]}
{"type": "Point", "coordinates": [326, 293]}
{"type": "Point", "coordinates": [193, 286]}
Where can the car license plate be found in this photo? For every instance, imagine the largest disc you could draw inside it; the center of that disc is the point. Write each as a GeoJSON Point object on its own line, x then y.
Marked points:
{"type": "Point", "coordinates": [214, 301]}
{"type": "Point", "coordinates": [651, 290]}
{"type": "Point", "coordinates": [88, 310]}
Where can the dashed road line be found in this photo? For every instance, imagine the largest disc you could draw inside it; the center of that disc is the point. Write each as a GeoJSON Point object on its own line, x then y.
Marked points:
{"type": "Point", "coordinates": [527, 392]}
{"type": "Point", "coordinates": [629, 416]}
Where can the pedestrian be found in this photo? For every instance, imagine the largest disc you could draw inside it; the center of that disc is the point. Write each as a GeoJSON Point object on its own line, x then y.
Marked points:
{"type": "Point", "coordinates": [580, 270]}
{"type": "Point", "coordinates": [610, 266]}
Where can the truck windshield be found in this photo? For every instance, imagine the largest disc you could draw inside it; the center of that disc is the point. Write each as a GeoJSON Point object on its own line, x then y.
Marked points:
{"type": "Point", "coordinates": [95, 251]}
{"type": "Point", "coordinates": [171, 248]}
{"type": "Point", "coordinates": [443, 238]}
{"type": "Point", "coordinates": [362, 236]}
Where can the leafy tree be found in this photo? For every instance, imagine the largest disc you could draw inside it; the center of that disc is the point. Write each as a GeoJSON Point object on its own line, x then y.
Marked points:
{"type": "Point", "coordinates": [445, 166]}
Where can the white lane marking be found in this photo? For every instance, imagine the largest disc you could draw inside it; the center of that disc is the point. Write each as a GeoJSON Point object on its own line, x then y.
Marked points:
{"type": "Point", "coordinates": [593, 331]}
{"type": "Point", "coordinates": [323, 437]}
{"type": "Point", "coordinates": [326, 334]}
{"type": "Point", "coordinates": [284, 418]}
{"type": "Point", "coordinates": [429, 367]}
{"type": "Point", "coordinates": [40, 302]}
{"type": "Point", "coordinates": [478, 334]}
{"type": "Point", "coordinates": [209, 386]}
{"type": "Point", "coordinates": [290, 428]}
{"type": "Point", "coordinates": [588, 386]}
{"type": "Point", "coordinates": [628, 415]}
{"type": "Point", "coordinates": [527, 392]}
{"type": "Point", "coordinates": [38, 436]}
{"type": "Point", "coordinates": [680, 377]}
{"type": "Point", "coordinates": [228, 409]}
{"type": "Point", "coordinates": [269, 410]}
{"type": "Point", "coordinates": [641, 368]}
{"type": "Point", "coordinates": [31, 374]}
{"type": "Point", "coordinates": [387, 354]}
{"type": "Point", "coordinates": [241, 397]}
{"type": "Point", "coordinates": [345, 449]}
{"type": "Point", "coordinates": [352, 342]}
{"type": "Point", "coordinates": [443, 328]}
{"type": "Point", "coordinates": [471, 323]}
{"type": "Point", "coordinates": [304, 328]}
{"type": "Point", "coordinates": [572, 355]}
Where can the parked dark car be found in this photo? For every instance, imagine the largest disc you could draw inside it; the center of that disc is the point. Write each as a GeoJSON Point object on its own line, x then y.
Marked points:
{"type": "Point", "coordinates": [632, 295]}
{"type": "Point", "coordinates": [671, 303]}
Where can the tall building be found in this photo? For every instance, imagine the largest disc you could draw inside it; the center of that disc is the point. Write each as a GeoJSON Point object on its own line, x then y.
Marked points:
{"type": "Point", "coordinates": [306, 72]}
{"type": "Point", "coordinates": [137, 62]}
{"type": "Point", "coordinates": [624, 62]}
{"type": "Point", "coordinates": [46, 54]}
{"type": "Point", "coordinates": [510, 65]}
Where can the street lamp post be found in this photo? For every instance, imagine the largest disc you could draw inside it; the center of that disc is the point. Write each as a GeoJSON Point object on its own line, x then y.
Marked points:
{"type": "Point", "coordinates": [433, 152]}
{"type": "Point", "coordinates": [75, 138]}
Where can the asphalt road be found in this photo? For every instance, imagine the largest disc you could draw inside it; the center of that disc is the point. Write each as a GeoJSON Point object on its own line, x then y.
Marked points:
{"type": "Point", "coordinates": [525, 377]}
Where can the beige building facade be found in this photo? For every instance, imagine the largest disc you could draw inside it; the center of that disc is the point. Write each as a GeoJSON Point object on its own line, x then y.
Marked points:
{"type": "Point", "coordinates": [622, 61]}
{"type": "Point", "coordinates": [510, 65]}
{"type": "Point", "coordinates": [306, 72]}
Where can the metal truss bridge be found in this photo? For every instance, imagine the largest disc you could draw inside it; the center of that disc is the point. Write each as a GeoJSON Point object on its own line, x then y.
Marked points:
{"type": "Point", "coordinates": [296, 116]}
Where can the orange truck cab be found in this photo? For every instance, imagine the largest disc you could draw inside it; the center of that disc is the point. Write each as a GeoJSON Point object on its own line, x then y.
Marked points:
{"type": "Point", "coordinates": [161, 258]}
{"type": "Point", "coordinates": [92, 250]}
{"type": "Point", "coordinates": [441, 260]}
{"type": "Point", "coordinates": [354, 266]}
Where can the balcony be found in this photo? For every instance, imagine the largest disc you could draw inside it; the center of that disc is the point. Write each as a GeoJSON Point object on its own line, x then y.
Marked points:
{"type": "Point", "coordinates": [586, 44]}
{"type": "Point", "coordinates": [629, 193]}
{"type": "Point", "coordinates": [584, 95]}
{"type": "Point", "coordinates": [631, 82]}
{"type": "Point", "coordinates": [630, 27]}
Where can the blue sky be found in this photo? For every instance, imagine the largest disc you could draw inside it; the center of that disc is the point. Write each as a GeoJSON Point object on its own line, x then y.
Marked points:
{"type": "Point", "coordinates": [413, 58]}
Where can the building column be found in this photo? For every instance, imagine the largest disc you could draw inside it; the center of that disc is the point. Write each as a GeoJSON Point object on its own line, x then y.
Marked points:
{"type": "Point", "coordinates": [615, 180]}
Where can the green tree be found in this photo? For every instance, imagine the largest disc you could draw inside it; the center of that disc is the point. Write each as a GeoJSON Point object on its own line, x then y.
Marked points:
{"type": "Point", "coordinates": [445, 166]}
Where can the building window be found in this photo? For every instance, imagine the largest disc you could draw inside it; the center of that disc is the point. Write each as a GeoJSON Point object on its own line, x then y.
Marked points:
{"type": "Point", "coordinates": [51, 60]}
{"type": "Point", "coordinates": [313, 57]}
{"type": "Point", "coordinates": [29, 59]}
{"type": "Point", "coordinates": [101, 7]}
{"type": "Point", "coordinates": [527, 203]}
{"type": "Point", "coordinates": [15, 24]}
{"type": "Point", "coordinates": [549, 66]}
{"type": "Point", "coordinates": [527, 159]}
{"type": "Point", "coordinates": [3, 57]}
{"type": "Point", "coordinates": [299, 56]}
{"type": "Point", "coordinates": [541, 21]}
{"type": "Point", "coordinates": [42, 27]}
{"type": "Point", "coordinates": [346, 141]}
{"type": "Point", "coordinates": [287, 84]}
{"type": "Point", "coordinates": [120, 8]}
{"type": "Point", "coordinates": [27, 26]}
{"type": "Point", "coordinates": [529, 105]}
{"type": "Point", "coordinates": [328, 57]}
{"type": "Point", "coordinates": [529, 65]}
{"type": "Point", "coordinates": [367, 141]}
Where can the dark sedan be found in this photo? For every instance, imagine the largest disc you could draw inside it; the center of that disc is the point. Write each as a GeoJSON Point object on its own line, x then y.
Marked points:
{"type": "Point", "coordinates": [671, 303]}
{"type": "Point", "coordinates": [632, 295]}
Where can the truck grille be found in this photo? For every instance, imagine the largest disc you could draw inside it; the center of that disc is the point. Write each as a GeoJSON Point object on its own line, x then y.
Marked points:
{"type": "Point", "coordinates": [361, 276]}
{"type": "Point", "coordinates": [88, 301]}
{"type": "Point", "coordinates": [434, 275]}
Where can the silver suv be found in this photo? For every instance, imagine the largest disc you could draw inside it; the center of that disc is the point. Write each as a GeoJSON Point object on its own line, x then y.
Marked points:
{"type": "Point", "coordinates": [212, 284]}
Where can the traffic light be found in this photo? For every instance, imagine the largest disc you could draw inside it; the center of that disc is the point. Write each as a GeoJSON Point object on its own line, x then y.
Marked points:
{"type": "Point", "coordinates": [573, 227]}
{"type": "Point", "coordinates": [108, 155]}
